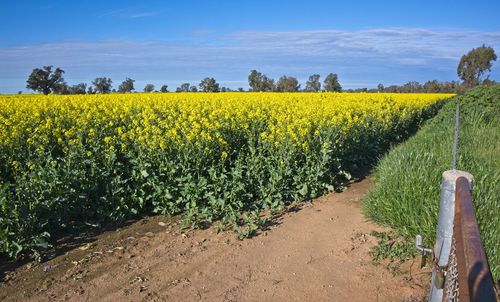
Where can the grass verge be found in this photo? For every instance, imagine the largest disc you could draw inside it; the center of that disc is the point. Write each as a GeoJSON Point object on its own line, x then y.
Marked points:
{"type": "Point", "coordinates": [407, 179]}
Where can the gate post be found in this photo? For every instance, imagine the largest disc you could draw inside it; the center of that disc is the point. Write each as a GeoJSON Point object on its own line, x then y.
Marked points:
{"type": "Point", "coordinates": [444, 231]}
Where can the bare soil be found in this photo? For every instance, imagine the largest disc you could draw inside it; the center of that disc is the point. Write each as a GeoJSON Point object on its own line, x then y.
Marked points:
{"type": "Point", "coordinates": [319, 252]}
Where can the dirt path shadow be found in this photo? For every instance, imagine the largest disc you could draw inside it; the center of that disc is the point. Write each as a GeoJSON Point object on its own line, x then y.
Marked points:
{"type": "Point", "coordinates": [317, 253]}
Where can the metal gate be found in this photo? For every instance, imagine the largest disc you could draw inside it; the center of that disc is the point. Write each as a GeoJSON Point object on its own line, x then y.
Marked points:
{"type": "Point", "coordinates": [467, 276]}
{"type": "Point", "coordinates": [460, 268]}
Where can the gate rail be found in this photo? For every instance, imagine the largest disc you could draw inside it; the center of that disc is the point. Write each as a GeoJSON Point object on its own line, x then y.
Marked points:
{"type": "Point", "coordinates": [467, 276]}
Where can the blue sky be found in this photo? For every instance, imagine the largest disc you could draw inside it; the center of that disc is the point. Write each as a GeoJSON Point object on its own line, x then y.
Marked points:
{"type": "Point", "coordinates": [171, 42]}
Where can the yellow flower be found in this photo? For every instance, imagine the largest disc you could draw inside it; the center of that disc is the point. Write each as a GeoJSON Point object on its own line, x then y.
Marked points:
{"type": "Point", "coordinates": [205, 121]}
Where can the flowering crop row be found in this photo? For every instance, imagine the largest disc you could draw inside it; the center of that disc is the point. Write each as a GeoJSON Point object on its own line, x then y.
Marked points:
{"type": "Point", "coordinates": [69, 160]}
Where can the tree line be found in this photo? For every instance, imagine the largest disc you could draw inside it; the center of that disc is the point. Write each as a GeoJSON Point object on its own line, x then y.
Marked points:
{"type": "Point", "coordinates": [48, 80]}
{"type": "Point", "coordinates": [471, 70]}
{"type": "Point", "coordinates": [433, 86]}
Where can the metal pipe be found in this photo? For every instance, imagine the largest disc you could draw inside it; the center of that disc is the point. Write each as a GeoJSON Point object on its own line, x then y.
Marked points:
{"type": "Point", "coordinates": [475, 280]}
{"type": "Point", "coordinates": [444, 231]}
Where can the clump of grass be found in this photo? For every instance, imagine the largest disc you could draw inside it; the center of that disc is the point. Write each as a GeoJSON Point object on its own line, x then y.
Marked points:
{"type": "Point", "coordinates": [406, 194]}
{"type": "Point", "coordinates": [392, 247]}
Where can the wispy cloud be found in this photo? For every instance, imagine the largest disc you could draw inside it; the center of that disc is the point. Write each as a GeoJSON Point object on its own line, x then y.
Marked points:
{"type": "Point", "coordinates": [387, 55]}
{"type": "Point", "coordinates": [144, 14]}
{"type": "Point", "coordinates": [129, 12]}
{"type": "Point", "coordinates": [405, 43]}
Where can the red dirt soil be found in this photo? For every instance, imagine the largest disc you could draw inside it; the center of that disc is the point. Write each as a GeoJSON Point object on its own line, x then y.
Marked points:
{"type": "Point", "coordinates": [318, 253]}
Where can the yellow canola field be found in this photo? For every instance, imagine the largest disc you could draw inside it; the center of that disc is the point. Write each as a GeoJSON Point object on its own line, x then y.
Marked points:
{"type": "Point", "coordinates": [194, 119]}
{"type": "Point", "coordinates": [73, 160]}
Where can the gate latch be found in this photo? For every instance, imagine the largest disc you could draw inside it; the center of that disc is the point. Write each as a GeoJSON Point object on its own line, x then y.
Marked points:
{"type": "Point", "coordinates": [423, 250]}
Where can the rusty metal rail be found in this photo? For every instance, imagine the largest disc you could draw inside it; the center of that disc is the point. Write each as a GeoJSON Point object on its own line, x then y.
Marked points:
{"type": "Point", "coordinates": [468, 277]}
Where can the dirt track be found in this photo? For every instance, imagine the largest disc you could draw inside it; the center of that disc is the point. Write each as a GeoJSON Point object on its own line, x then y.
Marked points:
{"type": "Point", "coordinates": [319, 253]}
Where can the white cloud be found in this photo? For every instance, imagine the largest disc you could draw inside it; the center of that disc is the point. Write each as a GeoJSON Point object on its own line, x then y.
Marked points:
{"type": "Point", "coordinates": [128, 12]}
{"type": "Point", "coordinates": [388, 55]}
{"type": "Point", "coordinates": [371, 43]}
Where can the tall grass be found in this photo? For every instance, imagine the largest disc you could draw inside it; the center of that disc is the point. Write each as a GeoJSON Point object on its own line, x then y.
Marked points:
{"type": "Point", "coordinates": [406, 194]}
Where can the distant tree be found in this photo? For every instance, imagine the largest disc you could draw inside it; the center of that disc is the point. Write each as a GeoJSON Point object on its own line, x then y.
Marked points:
{"type": "Point", "coordinates": [287, 84]}
{"type": "Point", "coordinates": [90, 90]}
{"type": "Point", "coordinates": [453, 86]}
{"type": "Point", "coordinates": [392, 89]}
{"type": "Point", "coordinates": [183, 88]}
{"type": "Point", "coordinates": [412, 87]}
{"type": "Point", "coordinates": [331, 83]}
{"type": "Point", "coordinates": [19, 92]}
{"type": "Point", "coordinates": [61, 88]}
{"type": "Point", "coordinates": [489, 82]}
{"type": "Point", "coordinates": [209, 85]}
{"type": "Point", "coordinates": [164, 88]}
{"type": "Point", "coordinates": [77, 89]}
{"type": "Point", "coordinates": [313, 84]}
{"type": "Point", "coordinates": [260, 82]}
{"type": "Point", "coordinates": [357, 90]}
{"type": "Point", "coordinates": [432, 87]}
{"type": "Point", "coordinates": [45, 80]}
{"type": "Point", "coordinates": [474, 64]}
{"type": "Point", "coordinates": [102, 85]}
{"type": "Point", "coordinates": [149, 88]}
{"type": "Point", "coordinates": [255, 80]}
{"type": "Point", "coordinates": [126, 86]}
{"type": "Point", "coordinates": [380, 87]}
{"type": "Point", "coordinates": [240, 89]}
{"type": "Point", "coordinates": [193, 88]}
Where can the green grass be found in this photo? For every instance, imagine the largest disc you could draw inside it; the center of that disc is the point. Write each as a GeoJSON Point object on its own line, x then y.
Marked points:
{"type": "Point", "coordinates": [406, 194]}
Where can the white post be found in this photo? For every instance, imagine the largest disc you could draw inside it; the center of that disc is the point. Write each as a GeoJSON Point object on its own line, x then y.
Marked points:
{"type": "Point", "coordinates": [444, 231]}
